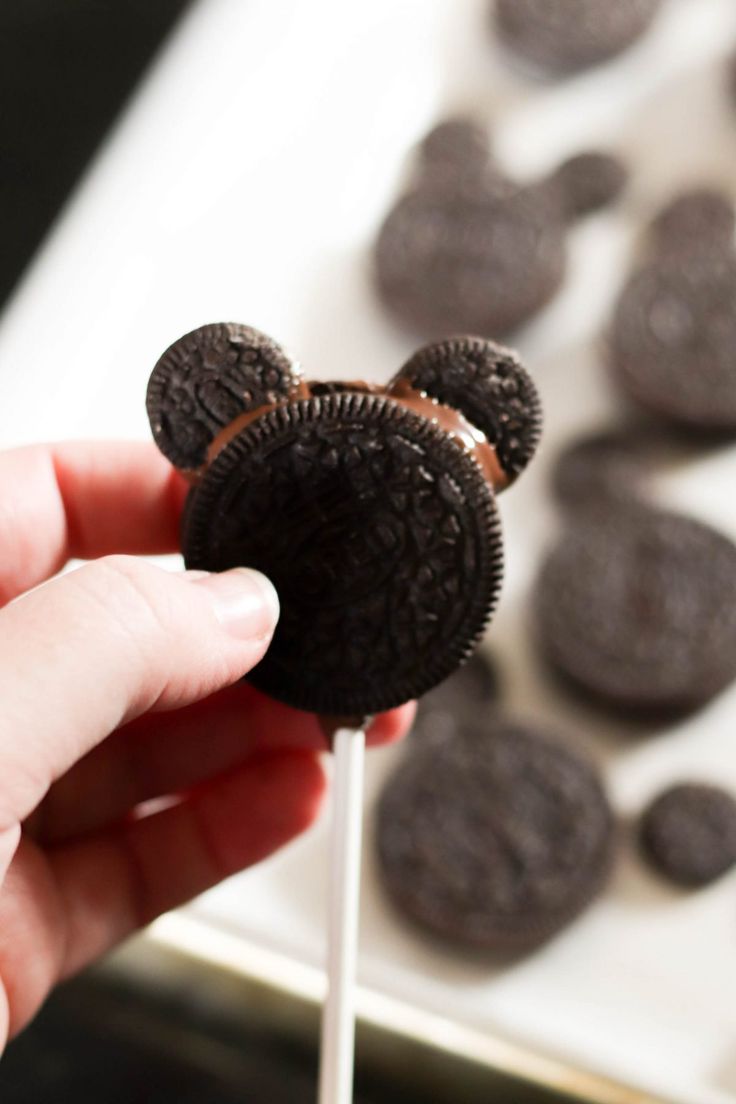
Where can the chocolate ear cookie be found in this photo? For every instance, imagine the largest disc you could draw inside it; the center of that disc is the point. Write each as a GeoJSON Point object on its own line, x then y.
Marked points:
{"type": "Point", "coordinates": [689, 833]}
{"type": "Point", "coordinates": [495, 838]}
{"type": "Point", "coordinates": [563, 36]}
{"type": "Point", "coordinates": [467, 249]}
{"type": "Point", "coordinates": [456, 149]}
{"type": "Point", "coordinates": [487, 383]}
{"type": "Point", "coordinates": [208, 377]}
{"type": "Point", "coordinates": [588, 181]}
{"type": "Point", "coordinates": [673, 334]}
{"type": "Point", "coordinates": [638, 608]}
{"type": "Point", "coordinates": [380, 534]}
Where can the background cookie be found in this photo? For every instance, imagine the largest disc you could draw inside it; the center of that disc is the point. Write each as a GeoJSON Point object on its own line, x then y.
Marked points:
{"type": "Point", "coordinates": [468, 695]}
{"type": "Point", "coordinates": [561, 36]}
{"type": "Point", "coordinates": [380, 535]}
{"type": "Point", "coordinates": [638, 608]}
{"type": "Point", "coordinates": [468, 249]}
{"type": "Point", "coordinates": [689, 833]}
{"type": "Point", "coordinates": [600, 472]}
{"type": "Point", "coordinates": [673, 331]}
{"type": "Point", "coordinates": [495, 838]}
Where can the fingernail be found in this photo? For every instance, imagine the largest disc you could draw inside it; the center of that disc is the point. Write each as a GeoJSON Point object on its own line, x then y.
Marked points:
{"type": "Point", "coordinates": [245, 602]}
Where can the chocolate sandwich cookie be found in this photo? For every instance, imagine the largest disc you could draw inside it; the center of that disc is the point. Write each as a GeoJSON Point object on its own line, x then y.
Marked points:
{"type": "Point", "coordinates": [673, 332]}
{"type": "Point", "coordinates": [689, 833]}
{"type": "Point", "coordinates": [207, 378]}
{"type": "Point", "coordinates": [637, 608]}
{"type": "Point", "coordinates": [496, 838]}
{"type": "Point", "coordinates": [467, 695]}
{"type": "Point", "coordinates": [467, 249]}
{"type": "Point", "coordinates": [374, 514]}
{"type": "Point", "coordinates": [600, 472]}
{"type": "Point", "coordinates": [489, 385]}
{"type": "Point", "coordinates": [563, 36]}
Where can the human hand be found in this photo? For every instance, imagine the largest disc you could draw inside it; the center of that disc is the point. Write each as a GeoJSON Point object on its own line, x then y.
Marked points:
{"type": "Point", "coordinates": [119, 685]}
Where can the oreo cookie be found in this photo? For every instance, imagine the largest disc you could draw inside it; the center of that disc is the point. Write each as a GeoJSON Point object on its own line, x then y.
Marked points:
{"type": "Point", "coordinates": [588, 181]}
{"type": "Point", "coordinates": [637, 608]}
{"type": "Point", "coordinates": [564, 36]}
{"type": "Point", "coordinates": [375, 516]}
{"type": "Point", "coordinates": [208, 377]}
{"type": "Point", "coordinates": [689, 834]}
{"type": "Point", "coordinates": [671, 340]}
{"type": "Point", "coordinates": [467, 249]}
{"type": "Point", "coordinates": [495, 838]}
{"type": "Point", "coordinates": [489, 385]}
{"type": "Point", "coordinates": [600, 472]}
{"type": "Point", "coordinates": [468, 694]}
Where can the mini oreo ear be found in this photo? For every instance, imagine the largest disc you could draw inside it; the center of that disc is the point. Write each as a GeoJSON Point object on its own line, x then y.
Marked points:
{"type": "Point", "coordinates": [456, 149]}
{"type": "Point", "coordinates": [700, 220]}
{"type": "Point", "coordinates": [588, 181]}
{"type": "Point", "coordinates": [489, 387]}
{"type": "Point", "coordinates": [206, 379]}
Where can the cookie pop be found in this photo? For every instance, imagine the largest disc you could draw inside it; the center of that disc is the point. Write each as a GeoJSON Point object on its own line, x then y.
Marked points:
{"type": "Point", "coordinates": [373, 511]}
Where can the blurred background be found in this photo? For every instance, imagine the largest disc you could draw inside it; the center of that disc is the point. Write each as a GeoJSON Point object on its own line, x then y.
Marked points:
{"type": "Point", "coordinates": [168, 164]}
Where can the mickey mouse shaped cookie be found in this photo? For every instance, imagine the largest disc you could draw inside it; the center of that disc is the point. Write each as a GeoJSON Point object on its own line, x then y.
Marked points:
{"type": "Point", "coordinates": [468, 248]}
{"type": "Point", "coordinates": [673, 335]}
{"type": "Point", "coordinates": [372, 510]}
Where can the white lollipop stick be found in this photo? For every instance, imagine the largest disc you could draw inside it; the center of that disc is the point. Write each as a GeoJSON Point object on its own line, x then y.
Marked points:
{"type": "Point", "coordinates": [338, 1017]}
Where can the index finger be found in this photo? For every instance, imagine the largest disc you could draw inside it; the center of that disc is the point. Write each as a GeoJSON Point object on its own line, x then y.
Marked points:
{"type": "Point", "coordinates": [83, 499]}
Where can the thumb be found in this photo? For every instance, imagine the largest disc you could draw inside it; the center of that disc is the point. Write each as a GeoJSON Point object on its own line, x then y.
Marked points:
{"type": "Point", "coordinates": [99, 646]}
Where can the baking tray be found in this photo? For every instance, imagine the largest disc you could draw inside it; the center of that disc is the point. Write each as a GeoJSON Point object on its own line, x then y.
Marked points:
{"type": "Point", "coordinates": [246, 181]}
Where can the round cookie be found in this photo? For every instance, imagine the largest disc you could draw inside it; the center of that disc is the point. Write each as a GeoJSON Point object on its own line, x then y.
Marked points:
{"type": "Point", "coordinates": [563, 36]}
{"type": "Point", "coordinates": [475, 261]}
{"type": "Point", "coordinates": [496, 838]}
{"type": "Point", "coordinates": [488, 384]}
{"type": "Point", "coordinates": [599, 472]}
{"type": "Point", "coordinates": [208, 377]}
{"type": "Point", "coordinates": [380, 535]}
{"type": "Point", "coordinates": [698, 220]}
{"type": "Point", "coordinates": [638, 608]}
{"type": "Point", "coordinates": [673, 334]}
{"type": "Point", "coordinates": [688, 833]}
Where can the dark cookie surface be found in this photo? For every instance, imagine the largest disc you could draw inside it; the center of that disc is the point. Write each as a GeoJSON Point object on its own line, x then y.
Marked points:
{"type": "Point", "coordinates": [673, 331]}
{"type": "Point", "coordinates": [467, 695]}
{"type": "Point", "coordinates": [380, 535]}
{"type": "Point", "coordinates": [640, 609]}
{"type": "Point", "coordinates": [208, 377]}
{"type": "Point", "coordinates": [672, 340]}
{"type": "Point", "coordinates": [599, 471]}
{"type": "Point", "coordinates": [470, 260]}
{"type": "Point", "coordinates": [561, 36]}
{"type": "Point", "coordinates": [689, 833]}
{"type": "Point", "coordinates": [489, 386]}
{"type": "Point", "coordinates": [496, 838]}
{"type": "Point", "coordinates": [588, 181]}
{"type": "Point", "coordinates": [456, 149]}
{"type": "Point", "coordinates": [700, 220]}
